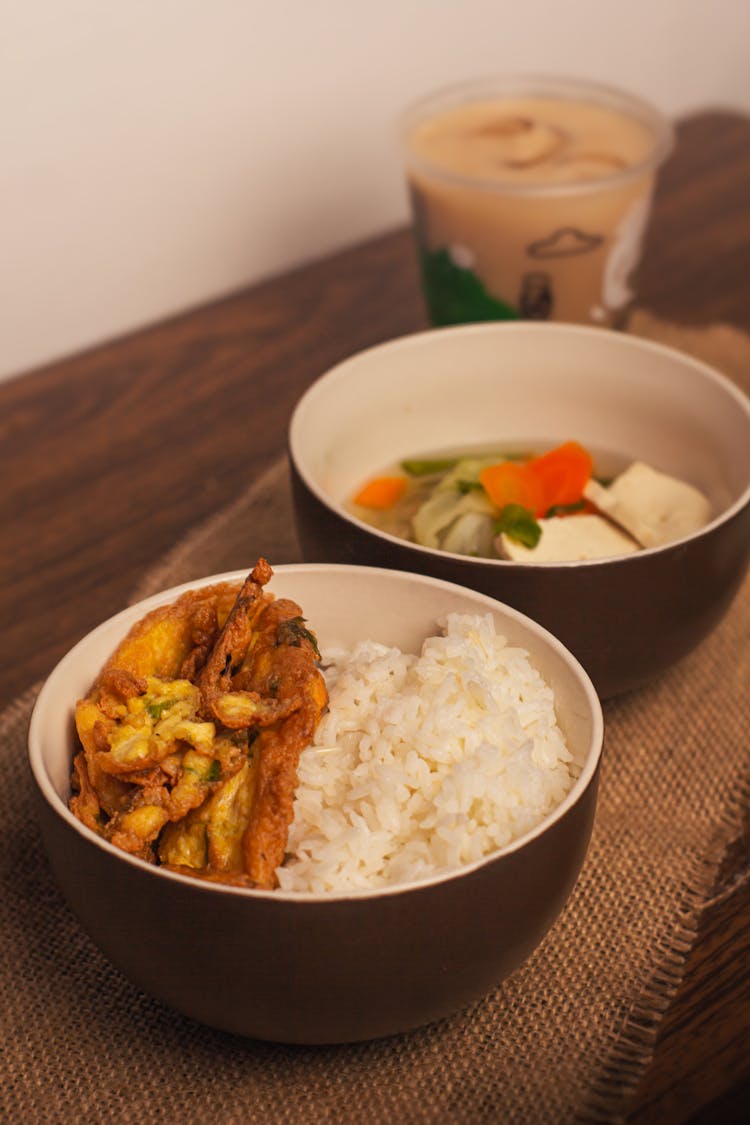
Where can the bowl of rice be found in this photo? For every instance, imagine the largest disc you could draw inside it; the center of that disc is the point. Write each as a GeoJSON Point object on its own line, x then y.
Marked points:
{"type": "Point", "coordinates": [442, 814]}
{"type": "Point", "coordinates": [627, 613]}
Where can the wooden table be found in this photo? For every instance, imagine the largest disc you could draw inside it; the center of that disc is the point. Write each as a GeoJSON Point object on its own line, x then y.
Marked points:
{"type": "Point", "coordinates": [108, 458]}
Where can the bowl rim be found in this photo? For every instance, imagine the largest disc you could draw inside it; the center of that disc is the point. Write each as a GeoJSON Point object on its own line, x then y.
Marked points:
{"type": "Point", "coordinates": [127, 617]}
{"type": "Point", "coordinates": [340, 371]}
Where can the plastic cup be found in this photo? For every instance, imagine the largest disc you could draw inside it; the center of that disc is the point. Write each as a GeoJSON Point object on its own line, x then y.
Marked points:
{"type": "Point", "coordinates": [531, 197]}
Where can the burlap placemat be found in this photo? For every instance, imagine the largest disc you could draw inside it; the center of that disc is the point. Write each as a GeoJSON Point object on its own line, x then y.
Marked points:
{"type": "Point", "coordinates": [566, 1038]}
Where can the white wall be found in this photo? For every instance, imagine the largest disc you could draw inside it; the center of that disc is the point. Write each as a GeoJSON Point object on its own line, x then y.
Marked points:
{"type": "Point", "coordinates": [157, 153]}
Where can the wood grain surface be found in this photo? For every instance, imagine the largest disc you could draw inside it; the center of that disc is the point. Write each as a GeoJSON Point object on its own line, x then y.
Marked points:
{"type": "Point", "coordinates": [108, 458]}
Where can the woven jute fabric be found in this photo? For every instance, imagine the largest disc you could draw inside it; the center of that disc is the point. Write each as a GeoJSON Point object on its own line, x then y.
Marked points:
{"type": "Point", "coordinates": [566, 1038]}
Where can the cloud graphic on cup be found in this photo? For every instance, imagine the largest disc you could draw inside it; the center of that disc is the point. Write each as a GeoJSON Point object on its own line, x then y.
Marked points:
{"type": "Point", "coordinates": [564, 243]}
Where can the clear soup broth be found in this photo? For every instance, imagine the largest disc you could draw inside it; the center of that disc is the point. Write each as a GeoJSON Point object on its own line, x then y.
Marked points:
{"type": "Point", "coordinates": [528, 501]}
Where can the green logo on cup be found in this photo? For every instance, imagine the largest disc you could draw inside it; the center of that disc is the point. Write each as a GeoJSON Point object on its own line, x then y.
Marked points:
{"type": "Point", "coordinates": [455, 295]}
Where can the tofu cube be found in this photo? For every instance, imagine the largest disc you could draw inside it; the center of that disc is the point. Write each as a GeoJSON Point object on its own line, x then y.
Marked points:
{"type": "Point", "coordinates": [653, 506]}
{"type": "Point", "coordinates": [570, 539]}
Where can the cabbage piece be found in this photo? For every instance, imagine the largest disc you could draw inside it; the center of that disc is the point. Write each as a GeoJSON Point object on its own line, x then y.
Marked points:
{"type": "Point", "coordinates": [467, 470]}
{"type": "Point", "coordinates": [438, 513]}
{"type": "Point", "coordinates": [471, 534]}
{"type": "Point", "coordinates": [434, 516]}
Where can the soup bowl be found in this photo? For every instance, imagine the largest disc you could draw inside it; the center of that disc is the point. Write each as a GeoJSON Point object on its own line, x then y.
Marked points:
{"type": "Point", "coordinates": [331, 967]}
{"type": "Point", "coordinates": [627, 618]}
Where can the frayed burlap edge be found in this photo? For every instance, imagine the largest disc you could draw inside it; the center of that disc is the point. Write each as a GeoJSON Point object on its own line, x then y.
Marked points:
{"type": "Point", "coordinates": [728, 348]}
{"type": "Point", "coordinates": [632, 1047]}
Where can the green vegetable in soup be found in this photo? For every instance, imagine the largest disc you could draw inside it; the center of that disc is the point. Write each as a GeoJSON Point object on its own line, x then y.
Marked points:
{"type": "Point", "coordinates": [428, 468]}
{"type": "Point", "coordinates": [518, 523]}
{"type": "Point", "coordinates": [431, 466]}
{"type": "Point", "coordinates": [464, 476]}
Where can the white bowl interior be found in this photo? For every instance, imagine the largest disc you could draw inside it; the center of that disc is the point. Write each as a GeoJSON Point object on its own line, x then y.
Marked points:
{"type": "Point", "coordinates": [527, 384]}
{"type": "Point", "coordinates": [344, 604]}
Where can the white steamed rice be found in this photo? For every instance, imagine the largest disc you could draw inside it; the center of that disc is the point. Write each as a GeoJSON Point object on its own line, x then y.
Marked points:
{"type": "Point", "coordinates": [424, 763]}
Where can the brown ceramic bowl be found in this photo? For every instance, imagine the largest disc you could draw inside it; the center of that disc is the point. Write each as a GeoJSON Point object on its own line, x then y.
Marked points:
{"type": "Point", "coordinates": [305, 968]}
{"type": "Point", "coordinates": [626, 618]}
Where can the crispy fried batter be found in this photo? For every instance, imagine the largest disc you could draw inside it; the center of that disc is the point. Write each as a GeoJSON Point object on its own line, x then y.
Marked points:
{"type": "Point", "coordinates": [117, 686]}
{"type": "Point", "coordinates": [204, 633]}
{"type": "Point", "coordinates": [225, 659]}
{"type": "Point", "coordinates": [192, 732]}
{"type": "Point", "coordinates": [282, 664]}
{"type": "Point", "coordinates": [84, 803]}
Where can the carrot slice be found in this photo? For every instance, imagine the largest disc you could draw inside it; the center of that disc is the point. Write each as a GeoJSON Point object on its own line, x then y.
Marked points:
{"type": "Point", "coordinates": [381, 492]}
{"type": "Point", "coordinates": [562, 474]}
{"type": "Point", "coordinates": [511, 483]}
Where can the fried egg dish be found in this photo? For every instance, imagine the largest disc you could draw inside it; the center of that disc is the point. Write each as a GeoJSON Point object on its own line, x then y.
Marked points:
{"type": "Point", "coordinates": [191, 734]}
